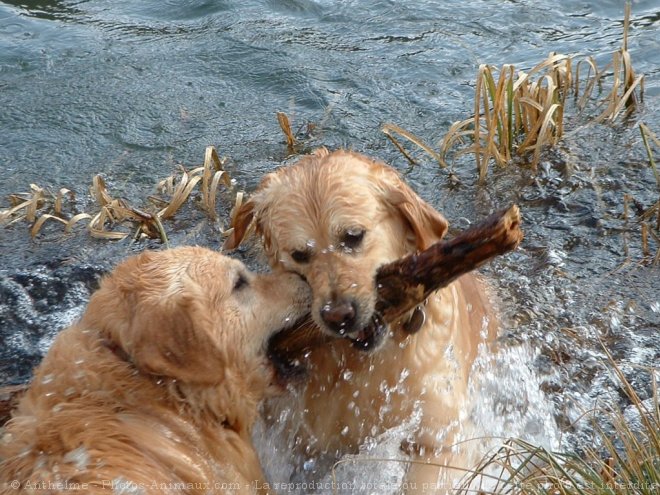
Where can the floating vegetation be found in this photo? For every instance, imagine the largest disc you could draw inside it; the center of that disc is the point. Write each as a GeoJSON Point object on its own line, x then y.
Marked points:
{"type": "Point", "coordinates": [517, 114]}
{"type": "Point", "coordinates": [116, 218]}
{"type": "Point", "coordinates": [39, 206]}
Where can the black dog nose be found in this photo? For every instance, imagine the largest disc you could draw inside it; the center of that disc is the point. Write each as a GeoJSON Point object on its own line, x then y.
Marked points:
{"type": "Point", "coordinates": [339, 316]}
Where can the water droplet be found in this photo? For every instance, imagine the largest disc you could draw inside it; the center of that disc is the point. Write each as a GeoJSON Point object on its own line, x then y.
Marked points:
{"type": "Point", "coordinates": [309, 464]}
{"type": "Point", "coordinates": [79, 457]}
{"type": "Point", "coordinates": [47, 379]}
{"type": "Point", "coordinates": [347, 375]}
{"type": "Point", "coordinates": [615, 322]}
{"type": "Point", "coordinates": [344, 431]}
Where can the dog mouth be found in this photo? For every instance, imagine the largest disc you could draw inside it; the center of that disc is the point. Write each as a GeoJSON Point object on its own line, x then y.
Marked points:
{"type": "Point", "coordinates": [289, 348]}
{"type": "Point", "coordinates": [370, 337]}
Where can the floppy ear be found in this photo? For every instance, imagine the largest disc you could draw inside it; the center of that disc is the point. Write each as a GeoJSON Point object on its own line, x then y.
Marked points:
{"type": "Point", "coordinates": [241, 223]}
{"type": "Point", "coordinates": [159, 320]}
{"type": "Point", "coordinates": [251, 211]}
{"type": "Point", "coordinates": [428, 225]}
{"type": "Point", "coordinates": [173, 338]}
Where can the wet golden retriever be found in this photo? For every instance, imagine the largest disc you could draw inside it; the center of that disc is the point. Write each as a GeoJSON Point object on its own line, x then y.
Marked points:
{"type": "Point", "coordinates": [156, 388]}
{"type": "Point", "coordinates": [334, 218]}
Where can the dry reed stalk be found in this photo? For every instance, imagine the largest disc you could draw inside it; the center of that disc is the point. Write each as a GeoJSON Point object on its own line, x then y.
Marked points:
{"type": "Point", "coordinates": [646, 134]}
{"type": "Point", "coordinates": [285, 125]}
{"type": "Point", "coordinates": [212, 174]}
{"type": "Point", "coordinates": [389, 129]}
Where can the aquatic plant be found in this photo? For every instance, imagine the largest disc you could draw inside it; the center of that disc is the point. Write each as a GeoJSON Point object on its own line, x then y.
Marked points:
{"type": "Point", "coordinates": [285, 125]}
{"type": "Point", "coordinates": [40, 205]}
{"type": "Point", "coordinates": [647, 135]}
{"type": "Point", "coordinates": [518, 113]}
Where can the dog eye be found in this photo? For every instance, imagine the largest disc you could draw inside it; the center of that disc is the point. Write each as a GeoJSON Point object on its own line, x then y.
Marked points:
{"type": "Point", "coordinates": [241, 282]}
{"type": "Point", "coordinates": [301, 256]}
{"type": "Point", "coordinates": [353, 238]}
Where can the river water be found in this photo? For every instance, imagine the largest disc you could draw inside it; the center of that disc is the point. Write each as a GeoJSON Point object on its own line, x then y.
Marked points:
{"type": "Point", "coordinates": [132, 89]}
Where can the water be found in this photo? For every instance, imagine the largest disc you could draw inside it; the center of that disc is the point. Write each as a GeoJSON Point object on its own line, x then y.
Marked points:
{"type": "Point", "coordinates": [132, 89]}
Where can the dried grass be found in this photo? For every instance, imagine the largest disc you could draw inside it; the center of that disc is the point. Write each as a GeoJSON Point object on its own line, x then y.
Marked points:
{"type": "Point", "coordinates": [518, 114]}
{"type": "Point", "coordinates": [646, 135]}
{"type": "Point", "coordinates": [295, 141]}
{"type": "Point", "coordinates": [285, 125]}
{"type": "Point", "coordinates": [116, 218]}
{"type": "Point", "coordinates": [390, 129]}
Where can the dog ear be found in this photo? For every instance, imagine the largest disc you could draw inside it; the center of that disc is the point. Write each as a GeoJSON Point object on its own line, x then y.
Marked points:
{"type": "Point", "coordinates": [242, 219]}
{"type": "Point", "coordinates": [427, 224]}
{"type": "Point", "coordinates": [173, 338]}
{"type": "Point", "coordinates": [159, 320]}
{"type": "Point", "coordinates": [251, 212]}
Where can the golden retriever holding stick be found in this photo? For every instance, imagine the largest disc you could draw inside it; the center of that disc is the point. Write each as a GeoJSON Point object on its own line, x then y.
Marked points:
{"type": "Point", "coordinates": [334, 219]}
{"type": "Point", "coordinates": [156, 388]}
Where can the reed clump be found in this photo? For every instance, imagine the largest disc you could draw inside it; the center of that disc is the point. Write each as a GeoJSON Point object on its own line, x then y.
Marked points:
{"type": "Point", "coordinates": [116, 218]}
{"type": "Point", "coordinates": [517, 114]}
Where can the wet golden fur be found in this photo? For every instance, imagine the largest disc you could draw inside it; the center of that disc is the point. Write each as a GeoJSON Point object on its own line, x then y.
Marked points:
{"type": "Point", "coordinates": [157, 385]}
{"type": "Point", "coordinates": [351, 394]}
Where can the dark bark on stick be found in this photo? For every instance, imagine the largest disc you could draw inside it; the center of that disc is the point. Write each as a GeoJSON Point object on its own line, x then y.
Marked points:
{"type": "Point", "coordinates": [406, 283]}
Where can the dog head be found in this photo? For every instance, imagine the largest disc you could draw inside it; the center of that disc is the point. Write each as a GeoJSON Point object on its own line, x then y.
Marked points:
{"type": "Point", "coordinates": [195, 316]}
{"type": "Point", "coordinates": [335, 218]}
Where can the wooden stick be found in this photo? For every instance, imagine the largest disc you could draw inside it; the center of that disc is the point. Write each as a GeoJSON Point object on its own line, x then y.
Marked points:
{"type": "Point", "coordinates": [406, 283]}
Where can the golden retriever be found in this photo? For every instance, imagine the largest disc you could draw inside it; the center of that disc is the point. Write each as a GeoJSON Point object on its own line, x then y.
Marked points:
{"type": "Point", "coordinates": [335, 218]}
{"type": "Point", "coordinates": [155, 389]}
